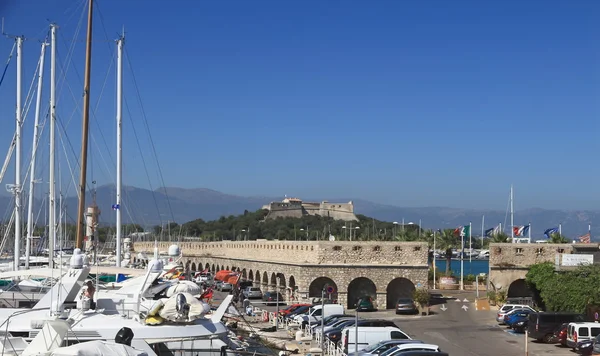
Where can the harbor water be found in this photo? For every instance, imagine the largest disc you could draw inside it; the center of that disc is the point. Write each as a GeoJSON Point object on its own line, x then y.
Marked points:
{"type": "Point", "coordinates": [474, 266]}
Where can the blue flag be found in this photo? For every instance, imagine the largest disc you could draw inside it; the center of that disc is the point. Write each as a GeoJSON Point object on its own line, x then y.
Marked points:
{"type": "Point", "coordinates": [115, 206]}
{"type": "Point", "coordinates": [489, 232]}
{"type": "Point", "coordinates": [550, 231]}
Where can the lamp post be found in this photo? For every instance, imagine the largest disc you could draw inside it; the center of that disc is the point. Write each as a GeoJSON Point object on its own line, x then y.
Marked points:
{"type": "Point", "coordinates": [244, 231]}
{"type": "Point", "coordinates": [306, 232]}
{"type": "Point", "coordinates": [356, 228]}
{"type": "Point", "coordinates": [395, 224]}
{"type": "Point", "coordinates": [344, 227]}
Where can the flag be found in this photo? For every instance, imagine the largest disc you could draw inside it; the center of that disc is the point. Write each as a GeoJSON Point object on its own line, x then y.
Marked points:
{"type": "Point", "coordinates": [525, 230]}
{"type": "Point", "coordinates": [550, 231]}
{"type": "Point", "coordinates": [518, 230]}
{"type": "Point", "coordinates": [462, 231]}
{"type": "Point", "coordinates": [586, 239]}
{"type": "Point", "coordinates": [116, 207]}
{"type": "Point", "coordinates": [490, 232]}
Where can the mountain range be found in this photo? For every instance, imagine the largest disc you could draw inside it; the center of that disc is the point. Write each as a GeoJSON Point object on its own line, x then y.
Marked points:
{"type": "Point", "coordinates": [148, 208]}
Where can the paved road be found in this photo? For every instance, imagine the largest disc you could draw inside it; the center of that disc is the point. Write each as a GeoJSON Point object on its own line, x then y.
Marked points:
{"type": "Point", "coordinates": [459, 331]}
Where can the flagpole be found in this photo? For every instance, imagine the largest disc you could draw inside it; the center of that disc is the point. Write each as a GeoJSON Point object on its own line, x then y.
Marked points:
{"type": "Point", "coordinates": [529, 231]}
{"type": "Point", "coordinates": [482, 230]}
{"type": "Point", "coordinates": [470, 247]}
{"type": "Point", "coordinates": [434, 259]}
{"type": "Point", "coordinates": [512, 223]}
{"type": "Point", "coordinates": [560, 229]}
{"type": "Point", "coordinates": [462, 257]}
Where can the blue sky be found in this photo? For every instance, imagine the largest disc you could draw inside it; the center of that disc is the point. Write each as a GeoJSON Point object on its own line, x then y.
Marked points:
{"type": "Point", "coordinates": [412, 103]}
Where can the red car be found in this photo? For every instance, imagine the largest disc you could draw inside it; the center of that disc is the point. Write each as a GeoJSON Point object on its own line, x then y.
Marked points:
{"type": "Point", "coordinates": [291, 308]}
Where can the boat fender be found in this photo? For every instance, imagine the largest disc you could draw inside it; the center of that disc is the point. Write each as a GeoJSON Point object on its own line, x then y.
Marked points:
{"type": "Point", "coordinates": [154, 320]}
{"type": "Point", "coordinates": [156, 308]}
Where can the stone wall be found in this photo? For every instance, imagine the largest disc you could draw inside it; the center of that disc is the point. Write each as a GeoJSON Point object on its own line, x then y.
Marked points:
{"type": "Point", "coordinates": [313, 252]}
{"type": "Point", "coordinates": [390, 268]}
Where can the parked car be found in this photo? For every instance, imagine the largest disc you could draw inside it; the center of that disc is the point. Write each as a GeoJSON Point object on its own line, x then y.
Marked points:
{"type": "Point", "coordinates": [225, 287]}
{"type": "Point", "coordinates": [520, 317]}
{"type": "Point", "coordinates": [577, 332]}
{"type": "Point", "coordinates": [560, 334]}
{"type": "Point", "coordinates": [299, 311]}
{"type": "Point", "coordinates": [399, 349]}
{"type": "Point", "coordinates": [508, 307]}
{"type": "Point", "coordinates": [252, 293]}
{"type": "Point", "coordinates": [544, 324]}
{"type": "Point", "coordinates": [273, 298]}
{"type": "Point", "coordinates": [365, 304]}
{"type": "Point", "coordinates": [422, 353]}
{"type": "Point", "coordinates": [339, 323]}
{"type": "Point", "coordinates": [369, 335]}
{"type": "Point", "coordinates": [318, 311]}
{"type": "Point", "coordinates": [513, 312]}
{"type": "Point", "coordinates": [332, 319]}
{"type": "Point", "coordinates": [335, 335]}
{"type": "Point", "coordinates": [406, 305]}
{"type": "Point", "coordinates": [383, 346]}
{"type": "Point", "coordinates": [291, 308]}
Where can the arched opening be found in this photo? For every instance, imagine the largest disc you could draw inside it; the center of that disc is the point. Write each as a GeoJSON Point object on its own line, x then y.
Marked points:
{"type": "Point", "coordinates": [273, 280]}
{"type": "Point", "coordinates": [317, 285]}
{"type": "Point", "coordinates": [257, 276]}
{"type": "Point", "coordinates": [244, 274]}
{"type": "Point", "coordinates": [360, 287]}
{"type": "Point", "coordinates": [519, 289]}
{"type": "Point", "coordinates": [207, 267]}
{"type": "Point", "coordinates": [281, 280]}
{"type": "Point", "coordinates": [398, 288]}
{"type": "Point", "coordinates": [265, 279]}
{"type": "Point", "coordinates": [227, 268]}
{"type": "Point", "coordinates": [194, 266]}
{"type": "Point", "coordinates": [292, 283]}
{"type": "Point", "coordinates": [251, 276]}
{"type": "Point", "coordinates": [212, 268]}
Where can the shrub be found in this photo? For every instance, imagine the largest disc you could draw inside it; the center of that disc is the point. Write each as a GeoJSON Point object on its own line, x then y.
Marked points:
{"type": "Point", "coordinates": [421, 296]}
{"type": "Point", "coordinates": [491, 295]}
{"type": "Point", "coordinates": [470, 278]}
{"type": "Point", "coordinates": [501, 297]}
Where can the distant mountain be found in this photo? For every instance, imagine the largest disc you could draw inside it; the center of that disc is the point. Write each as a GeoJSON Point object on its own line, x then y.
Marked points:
{"type": "Point", "coordinates": [149, 208]}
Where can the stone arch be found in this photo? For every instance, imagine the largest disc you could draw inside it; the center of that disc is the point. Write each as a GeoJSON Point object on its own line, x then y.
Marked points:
{"type": "Point", "coordinates": [213, 267]}
{"type": "Point", "coordinates": [519, 288]}
{"type": "Point", "coordinates": [273, 279]}
{"type": "Point", "coordinates": [227, 268]}
{"type": "Point", "coordinates": [317, 285]}
{"type": "Point", "coordinates": [281, 280]}
{"type": "Point", "coordinates": [257, 276]}
{"type": "Point", "coordinates": [398, 288]}
{"type": "Point", "coordinates": [265, 279]}
{"type": "Point", "coordinates": [251, 276]}
{"type": "Point", "coordinates": [207, 266]}
{"type": "Point", "coordinates": [244, 274]}
{"type": "Point", "coordinates": [359, 288]}
{"type": "Point", "coordinates": [188, 263]}
{"type": "Point", "coordinates": [194, 266]}
{"type": "Point", "coordinates": [292, 283]}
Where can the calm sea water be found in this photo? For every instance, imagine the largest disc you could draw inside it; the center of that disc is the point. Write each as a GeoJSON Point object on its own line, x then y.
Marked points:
{"type": "Point", "coordinates": [473, 267]}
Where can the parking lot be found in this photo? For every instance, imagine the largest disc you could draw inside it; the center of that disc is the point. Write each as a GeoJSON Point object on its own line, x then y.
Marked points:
{"type": "Point", "coordinates": [459, 329]}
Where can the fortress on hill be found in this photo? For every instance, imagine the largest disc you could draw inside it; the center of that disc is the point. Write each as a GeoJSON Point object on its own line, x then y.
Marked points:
{"type": "Point", "coordinates": [296, 208]}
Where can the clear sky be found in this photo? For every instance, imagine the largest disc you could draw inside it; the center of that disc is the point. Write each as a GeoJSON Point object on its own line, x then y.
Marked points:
{"type": "Point", "coordinates": [413, 103]}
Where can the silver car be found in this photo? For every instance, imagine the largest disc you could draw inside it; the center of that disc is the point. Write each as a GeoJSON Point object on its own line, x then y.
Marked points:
{"type": "Point", "coordinates": [383, 346]}
{"type": "Point", "coordinates": [225, 287]}
{"type": "Point", "coordinates": [253, 292]}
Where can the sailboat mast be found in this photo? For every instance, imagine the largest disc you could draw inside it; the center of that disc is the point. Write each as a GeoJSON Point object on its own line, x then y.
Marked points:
{"type": "Point", "coordinates": [18, 144]}
{"type": "Point", "coordinates": [36, 138]}
{"type": "Point", "coordinates": [512, 221]}
{"type": "Point", "coordinates": [52, 179]}
{"type": "Point", "coordinates": [119, 142]}
{"type": "Point", "coordinates": [85, 129]}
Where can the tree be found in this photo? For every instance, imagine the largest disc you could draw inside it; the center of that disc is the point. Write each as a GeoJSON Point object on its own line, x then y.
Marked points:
{"type": "Point", "coordinates": [557, 238]}
{"type": "Point", "coordinates": [446, 241]}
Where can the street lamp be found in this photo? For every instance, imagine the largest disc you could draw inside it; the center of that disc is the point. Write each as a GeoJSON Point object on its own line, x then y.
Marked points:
{"type": "Point", "coordinates": [344, 227]}
{"type": "Point", "coordinates": [356, 228]}
{"type": "Point", "coordinates": [395, 224]}
{"type": "Point", "coordinates": [306, 232]}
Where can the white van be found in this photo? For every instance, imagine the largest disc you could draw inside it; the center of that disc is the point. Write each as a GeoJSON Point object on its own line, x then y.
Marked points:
{"type": "Point", "coordinates": [369, 335]}
{"type": "Point", "coordinates": [577, 332]}
{"type": "Point", "coordinates": [315, 313]}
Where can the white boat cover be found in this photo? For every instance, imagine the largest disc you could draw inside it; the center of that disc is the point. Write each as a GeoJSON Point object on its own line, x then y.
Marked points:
{"type": "Point", "coordinates": [184, 287]}
{"type": "Point", "coordinates": [197, 308]}
{"type": "Point", "coordinates": [98, 348]}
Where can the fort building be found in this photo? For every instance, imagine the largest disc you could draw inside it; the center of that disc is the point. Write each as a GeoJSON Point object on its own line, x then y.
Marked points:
{"type": "Point", "coordinates": [296, 208]}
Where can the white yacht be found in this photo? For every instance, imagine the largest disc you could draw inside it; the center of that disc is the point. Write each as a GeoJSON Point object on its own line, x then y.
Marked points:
{"type": "Point", "coordinates": [63, 314]}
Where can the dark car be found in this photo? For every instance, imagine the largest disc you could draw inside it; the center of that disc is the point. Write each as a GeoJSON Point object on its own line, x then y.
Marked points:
{"type": "Point", "coordinates": [365, 304]}
{"type": "Point", "coordinates": [406, 305]}
{"type": "Point", "coordinates": [331, 319]}
{"type": "Point", "coordinates": [543, 324]}
{"type": "Point", "coordinates": [272, 298]}
{"type": "Point", "coordinates": [560, 334]}
{"type": "Point", "coordinates": [335, 335]}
